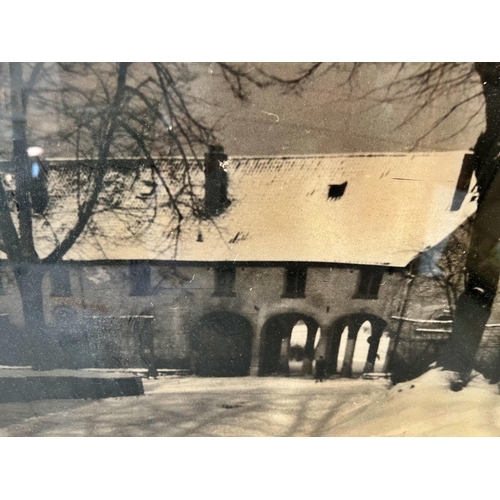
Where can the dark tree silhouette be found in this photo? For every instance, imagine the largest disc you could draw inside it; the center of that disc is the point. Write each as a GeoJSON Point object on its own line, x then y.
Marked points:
{"type": "Point", "coordinates": [482, 265]}
{"type": "Point", "coordinates": [477, 87]}
{"type": "Point", "coordinates": [106, 112]}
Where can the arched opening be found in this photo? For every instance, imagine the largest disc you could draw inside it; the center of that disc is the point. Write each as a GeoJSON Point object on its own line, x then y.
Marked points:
{"type": "Point", "coordinates": [298, 340]}
{"type": "Point", "coordinates": [303, 342]}
{"type": "Point", "coordinates": [361, 348]}
{"type": "Point", "coordinates": [383, 347]}
{"type": "Point", "coordinates": [288, 345]}
{"type": "Point", "coordinates": [355, 344]}
{"type": "Point", "coordinates": [222, 345]}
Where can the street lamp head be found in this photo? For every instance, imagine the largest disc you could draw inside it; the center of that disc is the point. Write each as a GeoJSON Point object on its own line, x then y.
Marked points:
{"type": "Point", "coordinates": [34, 151]}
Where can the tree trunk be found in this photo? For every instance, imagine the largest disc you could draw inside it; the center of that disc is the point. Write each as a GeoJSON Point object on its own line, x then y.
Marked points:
{"type": "Point", "coordinates": [44, 353]}
{"type": "Point", "coordinates": [474, 306]}
{"type": "Point", "coordinates": [21, 164]}
{"type": "Point", "coordinates": [21, 251]}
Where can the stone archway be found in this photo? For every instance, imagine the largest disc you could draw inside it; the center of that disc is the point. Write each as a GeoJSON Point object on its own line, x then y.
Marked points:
{"type": "Point", "coordinates": [276, 343]}
{"type": "Point", "coordinates": [222, 345]}
{"type": "Point", "coordinates": [351, 325]}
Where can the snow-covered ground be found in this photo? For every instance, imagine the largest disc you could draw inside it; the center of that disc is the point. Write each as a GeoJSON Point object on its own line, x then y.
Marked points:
{"type": "Point", "coordinates": [191, 406]}
{"type": "Point", "coordinates": [426, 407]}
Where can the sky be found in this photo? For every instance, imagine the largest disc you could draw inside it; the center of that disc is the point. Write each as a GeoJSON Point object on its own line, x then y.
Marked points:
{"type": "Point", "coordinates": [326, 116]}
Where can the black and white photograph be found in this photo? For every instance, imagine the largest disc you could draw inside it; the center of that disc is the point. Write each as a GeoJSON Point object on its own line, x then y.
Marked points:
{"type": "Point", "coordinates": [249, 249]}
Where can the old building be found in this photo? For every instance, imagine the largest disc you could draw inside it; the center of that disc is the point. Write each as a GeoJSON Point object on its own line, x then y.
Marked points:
{"type": "Point", "coordinates": [327, 242]}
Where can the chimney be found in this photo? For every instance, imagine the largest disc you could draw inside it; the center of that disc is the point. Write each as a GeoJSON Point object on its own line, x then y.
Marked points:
{"type": "Point", "coordinates": [463, 183]}
{"type": "Point", "coordinates": [216, 200]}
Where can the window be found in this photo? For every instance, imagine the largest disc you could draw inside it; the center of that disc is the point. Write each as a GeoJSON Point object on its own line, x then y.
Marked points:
{"type": "Point", "coordinates": [225, 277]}
{"type": "Point", "coordinates": [140, 279]}
{"type": "Point", "coordinates": [336, 191]}
{"type": "Point", "coordinates": [295, 281]}
{"type": "Point", "coordinates": [369, 283]}
{"type": "Point", "coordinates": [60, 281]}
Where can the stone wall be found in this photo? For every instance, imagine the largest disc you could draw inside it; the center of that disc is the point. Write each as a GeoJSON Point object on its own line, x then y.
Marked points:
{"type": "Point", "coordinates": [180, 296]}
{"type": "Point", "coordinates": [423, 324]}
{"type": "Point", "coordinates": [95, 322]}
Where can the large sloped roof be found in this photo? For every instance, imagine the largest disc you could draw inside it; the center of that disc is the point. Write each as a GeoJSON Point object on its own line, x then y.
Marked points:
{"type": "Point", "coordinates": [394, 206]}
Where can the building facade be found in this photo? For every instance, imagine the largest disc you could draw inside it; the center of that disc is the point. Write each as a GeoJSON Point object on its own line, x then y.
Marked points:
{"type": "Point", "coordinates": [211, 318]}
{"type": "Point", "coordinates": [328, 243]}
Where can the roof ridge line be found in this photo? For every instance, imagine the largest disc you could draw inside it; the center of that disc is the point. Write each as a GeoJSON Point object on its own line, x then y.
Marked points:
{"type": "Point", "coordinates": [365, 154]}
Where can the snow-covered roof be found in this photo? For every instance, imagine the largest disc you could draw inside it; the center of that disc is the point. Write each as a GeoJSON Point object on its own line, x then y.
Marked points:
{"type": "Point", "coordinates": [383, 209]}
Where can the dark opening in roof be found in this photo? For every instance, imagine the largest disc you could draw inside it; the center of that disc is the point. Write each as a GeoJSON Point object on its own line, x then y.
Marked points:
{"type": "Point", "coordinates": [336, 191]}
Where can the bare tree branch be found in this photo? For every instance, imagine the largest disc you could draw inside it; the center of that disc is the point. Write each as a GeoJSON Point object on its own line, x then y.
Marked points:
{"type": "Point", "coordinates": [88, 207]}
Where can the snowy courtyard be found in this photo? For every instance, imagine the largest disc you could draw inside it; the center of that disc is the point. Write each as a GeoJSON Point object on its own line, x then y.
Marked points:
{"type": "Point", "coordinates": [248, 406]}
